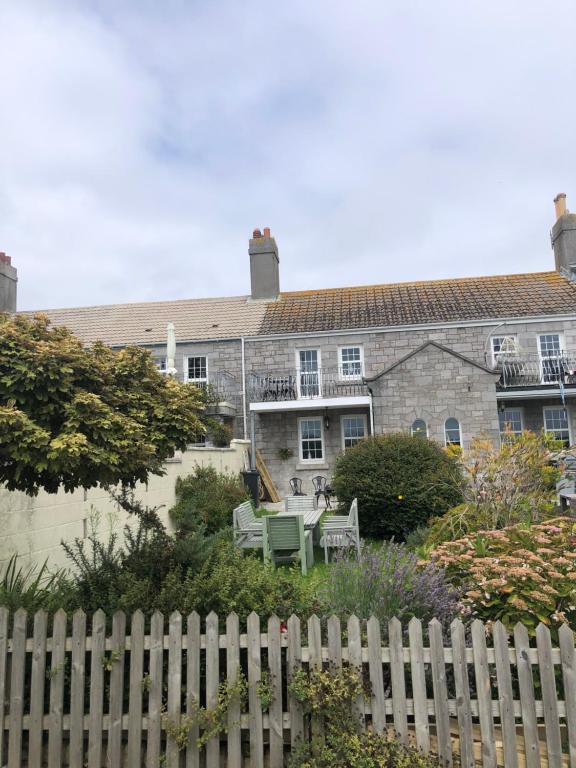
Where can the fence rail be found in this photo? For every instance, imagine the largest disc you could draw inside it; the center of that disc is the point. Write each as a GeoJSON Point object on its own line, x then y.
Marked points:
{"type": "Point", "coordinates": [81, 692]}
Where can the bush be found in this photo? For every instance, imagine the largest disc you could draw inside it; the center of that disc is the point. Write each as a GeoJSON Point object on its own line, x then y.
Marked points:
{"type": "Point", "coordinates": [31, 587]}
{"type": "Point", "coordinates": [388, 582]}
{"type": "Point", "coordinates": [206, 497]}
{"type": "Point", "coordinates": [525, 574]}
{"type": "Point", "coordinates": [330, 695]}
{"type": "Point", "coordinates": [220, 433]}
{"type": "Point", "coordinates": [399, 481]}
{"type": "Point", "coordinates": [503, 486]}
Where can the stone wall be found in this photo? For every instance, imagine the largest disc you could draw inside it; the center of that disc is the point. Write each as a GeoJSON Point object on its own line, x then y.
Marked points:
{"type": "Point", "coordinates": [435, 385]}
{"type": "Point", "coordinates": [34, 526]}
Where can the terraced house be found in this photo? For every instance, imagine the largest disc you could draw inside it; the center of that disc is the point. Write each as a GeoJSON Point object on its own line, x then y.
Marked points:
{"type": "Point", "coordinates": [307, 374]}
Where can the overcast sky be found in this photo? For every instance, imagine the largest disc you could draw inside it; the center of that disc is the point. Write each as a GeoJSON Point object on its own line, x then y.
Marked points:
{"type": "Point", "coordinates": [141, 142]}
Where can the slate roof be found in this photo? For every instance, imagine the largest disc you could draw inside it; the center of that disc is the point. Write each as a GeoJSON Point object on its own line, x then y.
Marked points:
{"type": "Point", "coordinates": [432, 301]}
{"type": "Point", "coordinates": [145, 323]}
{"type": "Point", "coordinates": [369, 306]}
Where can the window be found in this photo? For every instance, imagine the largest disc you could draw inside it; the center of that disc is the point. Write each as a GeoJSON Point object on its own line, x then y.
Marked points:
{"type": "Point", "coordinates": [161, 364]}
{"type": "Point", "coordinates": [353, 430]}
{"type": "Point", "coordinates": [419, 428]}
{"type": "Point", "coordinates": [510, 422]}
{"type": "Point", "coordinates": [197, 371]}
{"type": "Point", "coordinates": [309, 373]}
{"type": "Point", "coordinates": [311, 443]}
{"type": "Point", "coordinates": [351, 362]}
{"type": "Point", "coordinates": [556, 424]}
{"type": "Point", "coordinates": [550, 347]}
{"type": "Point", "coordinates": [503, 346]}
{"type": "Point", "coordinates": [452, 432]}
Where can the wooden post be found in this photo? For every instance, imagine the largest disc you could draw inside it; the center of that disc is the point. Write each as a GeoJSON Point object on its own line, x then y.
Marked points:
{"type": "Point", "coordinates": [527, 698]}
{"type": "Point", "coordinates": [232, 672]}
{"type": "Point", "coordinates": [77, 688]}
{"type": "Point", "coordinates": [505, 695]}
{"type": "Point", "coordinates": [57, 672]}
{"type": "Point", "coordinates": [254, 708]}
{"type": "Point", "coordinates": [174, 686]}
{"type": "Point", "coordinates": [484, 694]}
{"type": "Point", "coordinates": [116, 657]}
{"type": "Point", "coordinates": [334, 642]}
{"type": "Point", "coordinates": [376, 676]}
{"type": "Point", "coordinates": [463, 709]}
{"type": "Point", "coordinates": [440, 692]}
{"type": "Point", "coordinates": [355, 659]}
{"type": "Point", "coordinates": [419, 694]}
{"type": "Point", "coordinates": [135, 690]}
{"type": "Point", "coordinates": [17, 689]}
{"type": "Point", "coordinates": [4, 622]}
{"type": "Point", "coordinates": [568, 659]}
{"type": "Point", "coordinates": [276, 710]}
{"type": "Point", "coordinates": [549, 697]}
{"type": "Point", "coordinates": [294, 661]}
{"type": "Point", "coordinates": [154, 735]}
{"type": "Point", "coordinates": [96, 715]}
{"type": "Point", "coordinates": [37, 683]}
{"type": "Point", "coordinates": [193, 686]}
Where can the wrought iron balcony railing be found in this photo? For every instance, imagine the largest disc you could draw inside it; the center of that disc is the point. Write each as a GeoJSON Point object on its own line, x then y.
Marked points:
{"type": "Point", "coordinates": [532, 370]}
{"type": "Point", "coordinates": [303, 385]}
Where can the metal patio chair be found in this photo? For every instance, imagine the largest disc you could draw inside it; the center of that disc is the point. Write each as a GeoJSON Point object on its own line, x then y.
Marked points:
{"type": "Point", "coordinates": [296, 486]}
{"type": "Point", "coordinates": [321, 488]}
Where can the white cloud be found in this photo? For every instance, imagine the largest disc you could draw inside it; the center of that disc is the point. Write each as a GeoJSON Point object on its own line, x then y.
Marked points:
{"type": "Point", "coordinates": [140, 143]}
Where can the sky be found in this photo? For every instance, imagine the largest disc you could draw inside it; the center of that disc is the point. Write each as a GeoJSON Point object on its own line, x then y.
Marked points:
{"type": "Point", "coordinates": [141, 142]}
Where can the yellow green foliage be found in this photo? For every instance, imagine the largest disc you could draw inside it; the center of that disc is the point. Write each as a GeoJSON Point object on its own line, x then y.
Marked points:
{"type": "Point", "coordinates": [78, 417]}
{"type": "Point", "coordinates": [520, 573]}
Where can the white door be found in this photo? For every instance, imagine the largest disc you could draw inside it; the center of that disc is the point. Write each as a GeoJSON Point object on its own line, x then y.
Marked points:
{"type": "Point", "coordinates": [550, 348]}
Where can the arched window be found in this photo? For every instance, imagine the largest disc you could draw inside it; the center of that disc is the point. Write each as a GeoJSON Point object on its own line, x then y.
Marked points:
{"type": "Point", "coordinates": [452, 431]}
{"type": "Point", "coordinates": [419, 428]}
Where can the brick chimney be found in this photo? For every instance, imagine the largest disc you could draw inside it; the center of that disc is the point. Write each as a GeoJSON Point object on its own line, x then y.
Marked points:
{"type": "Point", "coordinates": [8, 283]}
{"type": "Point", "coordinates": [563, 236]}
{"type": "Point", "coordinates": [264, 266]}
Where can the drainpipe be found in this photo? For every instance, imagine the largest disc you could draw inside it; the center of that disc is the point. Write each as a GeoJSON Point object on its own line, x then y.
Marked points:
{"type": "Point", "coordinates": [252, 441]}
{"type": "Point", "coordinates": [245, 416]}
{"type": "Point", "coordinates": [371, 411]}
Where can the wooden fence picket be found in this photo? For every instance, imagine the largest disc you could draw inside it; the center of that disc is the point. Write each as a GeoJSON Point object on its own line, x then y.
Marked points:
{"type": "Point", "coordinates": [294, 663]}
{"type": "Point", "coordinates": [398, 680]}
{"type": "Point", "coordinates": [155, 685]}
{"type": "Point", "coordinates": [37, 685]}
{"type": "Point", "coordinates": [115, 662]}
{"type": "Point", "coordinates": [233, 670]}
{"type": "Point", "coordinates": [419, 695]}
{"type": "Point", "coordinates": [376, 675]}
{"type": "Point", "coordinates": [173, 707]}
{"type": "Point", "coordinates": [4, 633]}
{"type": "Point", "coordinates": [96, 715]}
{"type": "Point", "coordinates": [17, 674]}
{"type": "Point", "coordinates": [549, 697]}
{"type": "Point", "coordinates": [212, 683]}
{"type": "Point", "coordinates": [527, 697]}
{"type": "Point", "coordinates": [440, 692]}
{"type": "Point", "coordinates": [254, 707]}
{"type": "Point", "coordinates": [505, 695]}
{"type": "Point", "coordinates": [57, 673]}
{"type": "Point", "coordinates": [568, 658]}
{"type": "Point", "coordinates": [520, 711]}
{"type": "Point", "coordinates": [462, 686]}
{"type": "Point", "coordinates": [275, 712]}
{"type": "Point", "coordinates": [77, 688]}
{"type": "Point", "coordinates": [193, 687]}
{"type": "Point", "coordinates": [136, 686]}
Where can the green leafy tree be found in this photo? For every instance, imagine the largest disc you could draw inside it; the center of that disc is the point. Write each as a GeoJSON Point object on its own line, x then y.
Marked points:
{"type": "Point", "coordinates": [73, 416]}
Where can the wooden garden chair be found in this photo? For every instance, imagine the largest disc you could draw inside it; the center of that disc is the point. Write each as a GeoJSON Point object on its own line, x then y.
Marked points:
{"type": "Point", "coordinates": [285, 540]}
{"type": "Point", "coordinates": [247, 527]}
{"type": "Point", "coordinates": [297, 504]}
{"type": "Point", "coordinates": [339, 531]}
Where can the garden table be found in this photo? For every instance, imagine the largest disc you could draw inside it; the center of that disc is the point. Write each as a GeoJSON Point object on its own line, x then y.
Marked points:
{"type": "Point", "coordinates": [311, 521]}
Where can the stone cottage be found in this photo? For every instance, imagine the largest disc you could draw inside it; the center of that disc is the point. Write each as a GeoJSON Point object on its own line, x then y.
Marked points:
{"type": "Point", "coordinates": [307, 374]}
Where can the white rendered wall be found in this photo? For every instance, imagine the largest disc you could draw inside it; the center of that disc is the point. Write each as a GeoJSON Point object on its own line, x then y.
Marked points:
{"type": "Point", "coordinates": [34, 526]}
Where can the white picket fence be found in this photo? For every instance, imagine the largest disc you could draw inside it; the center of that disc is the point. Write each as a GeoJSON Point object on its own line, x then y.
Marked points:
{"type": "Point", "coordinates": [78, 698]}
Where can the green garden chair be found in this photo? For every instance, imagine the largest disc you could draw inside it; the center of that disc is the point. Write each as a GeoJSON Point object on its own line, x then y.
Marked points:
{"type": "Point", "coordinates": [341, 531]}
{"type": "Point", "coordinates": [247, 527]}
{"type": "Point", "coordinates": [285, 540]}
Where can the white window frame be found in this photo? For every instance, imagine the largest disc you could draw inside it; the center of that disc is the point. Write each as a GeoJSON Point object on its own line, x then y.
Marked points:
{"type": "Point", "coordinates": [300, 451]}
{"type": "Point", "coordinates": [557, 408]}
{"type": "Point", "coordinates": [446, 443]}
{"type": "Point", "coordinates": [197, 382]}
{"type": "Point", "coordinates": [561, 352]}
{"type": "Point", "coordinates": [521, 412]}
{"type": "Point", "coordinates": [161, 364]}
{"type": "Point", "coordinates": [496, 355]}
{"type": "Point", "coordinates": [350, 377]}
{"type": "Point", "coordinates": [419, 418]}
{"type": "Point", "coordinates": [299, 370]}
{"type": "Point", "coordinates": [353, 416]}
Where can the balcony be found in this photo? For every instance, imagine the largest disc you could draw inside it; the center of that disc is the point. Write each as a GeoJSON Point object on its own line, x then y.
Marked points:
{"type": "Point", "coordinates": [529, 371]}
{"type": "Point", "coordinates": [298, 385]}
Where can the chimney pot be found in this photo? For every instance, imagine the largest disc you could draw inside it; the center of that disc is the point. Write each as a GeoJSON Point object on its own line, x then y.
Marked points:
{"type": "Point", "coordinates": [560, 205]}
{"type": "Point", "coordinates": [256, 233]}
{"type": "Point", "coordinates": [266, 231]}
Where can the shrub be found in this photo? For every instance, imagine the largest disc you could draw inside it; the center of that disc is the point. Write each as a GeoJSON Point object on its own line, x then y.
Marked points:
{"type": "Point", "coordinates": [520, 573]}
{"type": "Point", "coordinates": [220, 433]}
{"type": "Point", "coordinates": [32, 587]}
{"type": "Point", "coordinates": [206, 497]}
{"type": "Point", "coordinates": [387, 581]}
{"type": "Point", "coordinates": [503, 486]}
{"type": "Point", "coordinates": [399, 481]}
{"type": "Point", "coordinates": [330, 695]}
